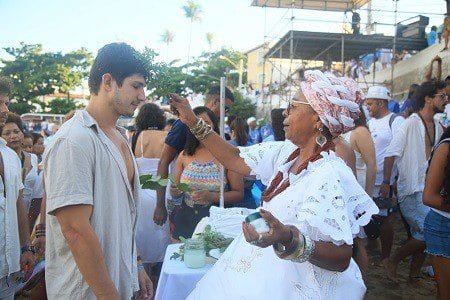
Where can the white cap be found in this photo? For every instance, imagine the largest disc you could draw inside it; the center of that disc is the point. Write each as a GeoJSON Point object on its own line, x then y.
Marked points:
{"type": "Point", "coordinates": [251, 119]}
{"type": "Point", "coordinates": [378, 92]}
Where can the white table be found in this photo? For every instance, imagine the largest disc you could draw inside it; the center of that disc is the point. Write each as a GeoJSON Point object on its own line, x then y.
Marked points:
{"type": "Point", "coordinates": [176, 280]}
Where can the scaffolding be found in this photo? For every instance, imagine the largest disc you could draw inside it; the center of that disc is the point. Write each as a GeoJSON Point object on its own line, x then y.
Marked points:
{"type": "Point", "coordinates": [337, 47]}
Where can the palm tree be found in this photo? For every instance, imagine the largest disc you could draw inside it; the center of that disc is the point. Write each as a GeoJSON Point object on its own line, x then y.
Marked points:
{"type": "Point", "coordinates": [192, 11]}
{"type": "Point", "coordinates": [209, 39]}
{"type": "Point", "coordinates": [167, 38]}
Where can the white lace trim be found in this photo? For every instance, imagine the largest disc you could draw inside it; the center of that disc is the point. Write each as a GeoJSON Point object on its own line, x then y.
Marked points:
{"type": "Point", "coordinates": [335, 207]}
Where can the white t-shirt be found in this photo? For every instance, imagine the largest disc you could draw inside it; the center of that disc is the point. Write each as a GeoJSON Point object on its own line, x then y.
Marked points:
{"type": "Point", "coordinates": [408, 145]}
{"type": "Point", "coordinates": [382, 135]}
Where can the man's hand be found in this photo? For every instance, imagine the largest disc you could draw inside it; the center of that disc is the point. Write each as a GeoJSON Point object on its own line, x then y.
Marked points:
{"type": "Point", "coordinates": [160, 215]}
{"type": "Point", "coordinates": [384, 190]}
{"type": "Point", "coordinates": [27, 263]}
{"type": "Point", "coordinates": [145, 285]}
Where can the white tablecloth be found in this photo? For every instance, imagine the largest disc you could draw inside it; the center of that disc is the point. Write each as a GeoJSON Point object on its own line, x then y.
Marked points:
{"type": "Point", "coordinates": [176, 280]}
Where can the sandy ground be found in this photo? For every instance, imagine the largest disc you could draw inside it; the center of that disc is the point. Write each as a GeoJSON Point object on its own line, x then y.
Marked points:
{"type": "Point", "coordinates": [380, 287]}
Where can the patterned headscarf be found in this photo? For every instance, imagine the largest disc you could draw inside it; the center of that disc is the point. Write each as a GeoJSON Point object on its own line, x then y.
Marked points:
{"type": "Point", "coordinates": [336, 100]}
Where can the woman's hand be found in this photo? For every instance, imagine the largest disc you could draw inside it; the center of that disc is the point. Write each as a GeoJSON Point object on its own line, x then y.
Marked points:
{"type": "Point", "coordinates": [160, 215]}
{"type": "Point", "coordinates": [175, 192]}
{"type": "Point", "coordinates": [278, 232]}
{"type": "Point", "coordinates": [184, 109]}
{"type": "Point", "coordinates": [204, 197]}
{"type": "Point", "coordinates": [145, 285]}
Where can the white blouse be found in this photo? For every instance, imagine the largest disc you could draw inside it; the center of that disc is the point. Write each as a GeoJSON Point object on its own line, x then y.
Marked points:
{"type": "Point", "coordinates": [324, 202]}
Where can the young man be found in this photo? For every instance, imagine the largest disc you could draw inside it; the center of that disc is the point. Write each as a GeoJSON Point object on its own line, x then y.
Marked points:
{"type": "Point", "coordinates": [174, 144]}
{"type": "Point", "coordinates": [382, 125]}
{"type": "Point", "coordinates": [92, 188]}
{"type": "Point", "coordinates": [15, 247]}
{"type": "Point", "coordinates": [412, 145]}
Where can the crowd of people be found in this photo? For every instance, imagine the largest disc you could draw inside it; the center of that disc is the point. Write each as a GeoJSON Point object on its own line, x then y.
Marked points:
{"type": "Point", "coordinates": [330, 171]}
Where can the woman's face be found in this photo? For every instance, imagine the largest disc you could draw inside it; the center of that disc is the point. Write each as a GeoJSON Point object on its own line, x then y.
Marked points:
{"type": "Point", "coordinates": [38, 148]}
{"type": "Point", "coordinates": [206, 118]}
{"type": "Point", "coordinates": [27, 145]}
{"type": "Point", "coordinates": [301, 120]}
{"type": "Point", "coordinates": [13, 136]}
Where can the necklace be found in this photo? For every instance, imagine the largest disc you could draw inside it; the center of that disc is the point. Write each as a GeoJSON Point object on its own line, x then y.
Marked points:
{"type": "Point", "coordinates": [276, 188]}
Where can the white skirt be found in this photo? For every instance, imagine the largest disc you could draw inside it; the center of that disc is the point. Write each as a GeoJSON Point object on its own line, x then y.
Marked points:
{"type": "Point", "coordinates": [151, 239]}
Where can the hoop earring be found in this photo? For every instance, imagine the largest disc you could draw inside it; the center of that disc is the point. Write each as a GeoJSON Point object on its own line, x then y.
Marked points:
{"type": "Point", "coordinates": [321, 140]}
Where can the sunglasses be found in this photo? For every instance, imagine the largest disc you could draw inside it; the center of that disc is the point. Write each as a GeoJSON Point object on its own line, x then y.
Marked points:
{"type": "Point", "coordinates": [443, 96]}
{"type": "Point", "coordinates": [294, 103]}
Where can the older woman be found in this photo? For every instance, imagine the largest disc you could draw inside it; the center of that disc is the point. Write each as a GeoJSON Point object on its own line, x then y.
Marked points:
{"type": "Point", "coordinates": [313, 205]}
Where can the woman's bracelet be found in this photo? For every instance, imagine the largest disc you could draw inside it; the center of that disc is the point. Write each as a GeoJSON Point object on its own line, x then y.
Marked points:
{"type": "Point", "coordinates": [300, 250]}
{"type": "Point", "coordinates": [201, 130]}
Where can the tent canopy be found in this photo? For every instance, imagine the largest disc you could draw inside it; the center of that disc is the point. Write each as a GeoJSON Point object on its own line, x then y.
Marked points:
{"type": "Point", "coordinates": [325, 46]}
{"type": "Point", "coordinates": [329, 5]}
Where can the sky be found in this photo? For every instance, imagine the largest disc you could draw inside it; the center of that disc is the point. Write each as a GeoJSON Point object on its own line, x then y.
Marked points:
{"type": "Point", "coordinates": [66, 25]}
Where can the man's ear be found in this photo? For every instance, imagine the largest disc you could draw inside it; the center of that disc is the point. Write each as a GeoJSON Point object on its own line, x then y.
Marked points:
{"type": "Point", "coordinates": [107, 82]}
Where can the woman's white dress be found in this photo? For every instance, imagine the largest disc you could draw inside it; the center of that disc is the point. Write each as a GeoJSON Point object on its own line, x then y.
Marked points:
{"type": "Point", "coordinates": [32, 187]}
{"type": "Point", "coordinates": [361, 168]}
{"type": "Point", "coordinates": [324, 202]}
{"type": "Point", "coordinates": [151, 239]}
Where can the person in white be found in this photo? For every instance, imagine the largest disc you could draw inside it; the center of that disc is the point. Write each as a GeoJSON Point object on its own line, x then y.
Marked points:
{"type": "Point", "coordinates": [382, 125]}
{"type": "Point", "coordinates": [15, 251]}
{"type": "Point", "coordinates": [310, 188]}
{"type": "Point", "coordinates": [412, 144]}
{"type": "Point", "coordinates": [151, 239]}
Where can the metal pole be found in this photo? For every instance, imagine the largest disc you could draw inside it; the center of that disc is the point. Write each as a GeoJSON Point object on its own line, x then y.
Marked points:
{"type": "Point", "coordinates": [394, 47]}
{"type": "Point", "coordinates": [223, 83]}
{"type": "Point", "coordinates": [241, 70]}
{"type": "Point", "coordinates": [342, 55]}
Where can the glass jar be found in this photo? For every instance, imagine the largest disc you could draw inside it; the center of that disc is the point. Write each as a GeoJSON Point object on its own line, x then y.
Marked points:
{"type": "Point", "coordinates": [194, 253]}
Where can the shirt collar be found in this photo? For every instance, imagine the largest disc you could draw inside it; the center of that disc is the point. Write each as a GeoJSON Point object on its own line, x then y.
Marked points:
{"type": "Point", "coordinates": [87, 120]}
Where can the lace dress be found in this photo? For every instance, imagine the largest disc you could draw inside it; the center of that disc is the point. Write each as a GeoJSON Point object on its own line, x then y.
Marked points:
{"type": "Point", "coordinates": [324, 201]}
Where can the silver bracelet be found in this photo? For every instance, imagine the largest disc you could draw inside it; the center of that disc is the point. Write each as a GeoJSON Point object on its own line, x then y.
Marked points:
{"type": "Point", "coordinates": [308, 249]}
{"type": "Point", "coordinates": [201, 130]}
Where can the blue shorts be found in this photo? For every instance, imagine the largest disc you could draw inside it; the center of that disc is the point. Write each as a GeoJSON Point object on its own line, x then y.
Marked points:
{"type": "Point", "coordinates": [414, 212]}
{"type": "Point", "coordinates": [437, 234]}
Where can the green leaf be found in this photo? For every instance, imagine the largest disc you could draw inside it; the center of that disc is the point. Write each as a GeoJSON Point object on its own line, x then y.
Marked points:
{"type": "Point", "coordinates": [164, 182]}
{"type": "Point", "coordinates": [145, 178]}
{"type": "Point", "coordinates": [184, 187]}
{"type": "Point", "coordinates": [150, 185]}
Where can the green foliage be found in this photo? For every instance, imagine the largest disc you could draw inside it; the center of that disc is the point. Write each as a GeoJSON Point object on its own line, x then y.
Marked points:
{"type": "Point", "coordinates": [192, 11]}
{"type": "Point", "coordinates": [155, 183]}
{"type": "Point", "coordinates": [37, 73]}
{"type": "Point", "coordinates": [212, 239]}
{"type": "Point", "coordinates": [61, 105]}
{"type": "Point", "coordinates": [167, 37]}
{"type": "Point", "coordinates": [242, 107]}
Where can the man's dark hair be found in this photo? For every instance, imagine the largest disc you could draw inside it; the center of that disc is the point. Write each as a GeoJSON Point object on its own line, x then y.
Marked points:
{"type": "Point", "coordinates": [5, 85]}
{"type": "Point", "coordinates": [277, 117]}
{"type": "Point", "coordinates": [433, 28]}
{"type": "Point", "coordinates": [191, 141]}
{"type": "Point", "coordinates": [428, 88]}
{"type": "Point", "coordinates": [412, 89]}
{"type": "Point", "coordinates": [447, 78]}
{"type": "Point", "coordinates": [118, 59]}
{"type": "Point", "coordinates": [215, 90]}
